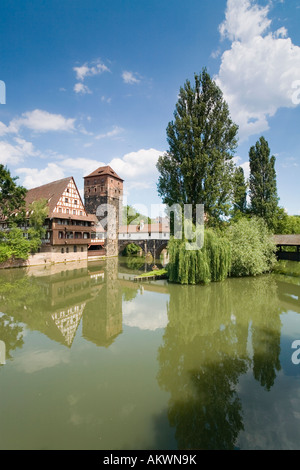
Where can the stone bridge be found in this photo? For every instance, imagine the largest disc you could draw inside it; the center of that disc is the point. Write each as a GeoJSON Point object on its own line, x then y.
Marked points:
{"type": "Point", "coordinates": [153, 246]}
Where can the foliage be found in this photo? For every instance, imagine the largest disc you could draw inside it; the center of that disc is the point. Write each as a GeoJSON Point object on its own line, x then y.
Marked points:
{"type": "Point", "coordinates": [239, 193]}
{"type": "Point", "coordinates": [18, 243]}
{"type": "Point", "coordinates": [263, 186]}
{"type": "Point", "coordinates": [252, 247]}
{"type": "Point", "coordinates": [157, 272]}
{"type": "Point", "coordinates": [12, 196]}
{"type": "Point", "coordinates": [38, 213]}
{"type": "Point", "coordinates": [197, 168]}
{"type": "Point", "coordinates": [286, 224]}
{"type": "Point", "coordinates": [131, 217]}
{"type": "Point", "coordinates": [211, 263]}
{"type": "Point", "coordinates": [14, 245]}
{"type": "Point", "coordinates": [131, 250]}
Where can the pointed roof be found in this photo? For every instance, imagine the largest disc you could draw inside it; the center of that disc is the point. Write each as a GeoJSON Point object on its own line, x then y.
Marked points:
{"type": "Point", "coordinates": [104, 171]}
{"type": "Point", "coordinates": [51, 192]}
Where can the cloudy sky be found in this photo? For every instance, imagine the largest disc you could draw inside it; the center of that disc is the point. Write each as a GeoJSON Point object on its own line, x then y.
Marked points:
{"type": "Point", "coordinates": [93, 82]}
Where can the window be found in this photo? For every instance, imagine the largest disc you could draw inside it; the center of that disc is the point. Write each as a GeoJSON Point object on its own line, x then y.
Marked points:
{"type": "Point", "coordinates": [62, 250]}
{"type": "Point", "coordinates": [60, 209]}
{"type": "Point", "coordinates": [75, 201]}
{"type": "Point", "coordinates": [82, 249]}
{"type": "Point", "coordinates": [60, 235]}
{"type": "Point", "coordinates": [80, 212]}
{"type": "Point", "coordinates": [67, 250]}
{"type": "Point", "coordinates": [66, 199]}
{"type": "Point", "coordinates": [74, 212]}
{"type": "Point", "coordinates": [75, 249]}
{"type": "Point", "coordinates": [67, 211]}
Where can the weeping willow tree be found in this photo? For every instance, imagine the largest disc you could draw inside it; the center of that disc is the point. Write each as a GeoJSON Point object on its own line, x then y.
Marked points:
{"type": "Point", "coordinates": [211, 263]}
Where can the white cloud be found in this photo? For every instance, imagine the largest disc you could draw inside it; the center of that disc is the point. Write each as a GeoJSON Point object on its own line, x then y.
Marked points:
{"type": "Point", "coordinates": [130, 78]}
{"type": "Point", "coordinates": [244, 20]}
{"type": "Point", "coordinates": [42, 121]}
{"type": "Point", "coordinates": [89, 70]}
{"type": "Point", "coordinates": [33, 177]}
{"type": "Point", "coordinates": [138, 168]}
{"type": "Point", "coordinates": [83, 165]}
{"type": "Point", "coordinates": [14, 153]}
{"type": "Point", "coordinates": [246, 168]}
{"type": "Point", "coordinates": [113, 133]}
{"type": "Point", "coordinates": [81, 88]}
{"type": "Point", "coordinates": [258, 71]}
{"type": "Point", "coordinates": [144, 316]}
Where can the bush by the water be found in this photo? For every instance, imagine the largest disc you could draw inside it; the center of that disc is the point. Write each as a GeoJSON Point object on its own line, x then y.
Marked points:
{"type": "Point", "coordinates": [131, 250]}
{"type": "Point", "coordinates": [211, 263]}
{"type": "Point", "coordinates": [245, 249]}
{"type": "Point", "coordinates": [252, 248]}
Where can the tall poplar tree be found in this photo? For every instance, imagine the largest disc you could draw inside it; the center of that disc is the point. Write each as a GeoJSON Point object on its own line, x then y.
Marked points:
{"type": "Point", "coordinates": [263, 185]}
{"type": "Point", "coordinates": [239, 192]}
{"type": "Point", "coordinates": [197, 168]}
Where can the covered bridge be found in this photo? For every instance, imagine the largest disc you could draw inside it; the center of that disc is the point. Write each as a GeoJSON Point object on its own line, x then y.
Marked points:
{"type": "Point", "coordinates": [288, 247]}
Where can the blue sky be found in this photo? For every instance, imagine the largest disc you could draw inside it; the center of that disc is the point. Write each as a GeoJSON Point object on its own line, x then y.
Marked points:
{"type": "Point", "coordinates": [92, 82]}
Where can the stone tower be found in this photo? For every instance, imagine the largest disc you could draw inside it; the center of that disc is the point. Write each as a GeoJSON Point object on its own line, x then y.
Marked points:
{"type": "Point", "coordinates": [103, 188]}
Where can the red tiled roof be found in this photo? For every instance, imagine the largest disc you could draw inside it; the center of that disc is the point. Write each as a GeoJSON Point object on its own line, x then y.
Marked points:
{"type": "Point", "coordinates": [51, 192]}
{"type": "Point", "coordinates": [104, 170]}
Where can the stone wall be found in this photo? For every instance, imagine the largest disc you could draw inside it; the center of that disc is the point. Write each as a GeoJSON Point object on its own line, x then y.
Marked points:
{"type": "Point", "coordinates": [49, 255]}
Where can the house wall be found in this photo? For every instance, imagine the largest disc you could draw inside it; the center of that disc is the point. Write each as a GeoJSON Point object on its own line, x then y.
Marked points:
{"type": "Point", "coordinates": [50, 255]}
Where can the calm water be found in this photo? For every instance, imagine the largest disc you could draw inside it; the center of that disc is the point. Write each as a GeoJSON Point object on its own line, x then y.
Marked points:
{"type": "Point", "coordinates": [96, 361]}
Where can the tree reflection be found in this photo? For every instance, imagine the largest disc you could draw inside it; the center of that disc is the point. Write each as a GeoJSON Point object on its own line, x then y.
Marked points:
{"type": "Point", "coordinates": [10, 334]}
{"type": "Point", "coordinates": [215, 334]}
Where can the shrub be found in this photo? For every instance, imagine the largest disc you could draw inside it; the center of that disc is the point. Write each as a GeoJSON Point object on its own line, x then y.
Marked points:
{"type": "Point", "coordinates": [131, 250]}
{"type": "Point", "coordinates": [252, 248]}
{"type": "Point", "coordinates": [211, 263]}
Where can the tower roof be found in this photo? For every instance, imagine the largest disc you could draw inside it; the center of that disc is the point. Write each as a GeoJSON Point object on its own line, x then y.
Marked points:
{"type": "Point", "coordinates": [104, 171]}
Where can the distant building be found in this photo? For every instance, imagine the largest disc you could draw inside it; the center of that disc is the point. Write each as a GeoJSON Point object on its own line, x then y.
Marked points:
{"type": "Point", "coordinates": [103, 187]}
{"type": "Point", "coordinates": [69, 225]}
{"type": "Point", "coordinates": [77, 231]}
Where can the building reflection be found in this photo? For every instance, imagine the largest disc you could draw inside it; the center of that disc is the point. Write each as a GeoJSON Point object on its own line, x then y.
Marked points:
{"type": "Point", "coordinates": [102, 321]}
{"type": "Point", "coordinates": [57, 301]}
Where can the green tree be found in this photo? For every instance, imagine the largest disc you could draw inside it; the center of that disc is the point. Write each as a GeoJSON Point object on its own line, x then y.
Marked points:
{"type": "Point", "coordinates": [252, 247]}
{"type": "Point", "coordinates": [239, 192]}
{"type": "Point", "coordinates": [38, 212]}
{"type": "Point", "coordinates": [286, 224]}
{"type": "Point", "coordinates": [12, 196]}
{"type": "Point", "coordinates": [263, 186]}
{"type": "Point", "coordinates": [131, 216]}
{"type": "Point", "coordinates": [197, 168]}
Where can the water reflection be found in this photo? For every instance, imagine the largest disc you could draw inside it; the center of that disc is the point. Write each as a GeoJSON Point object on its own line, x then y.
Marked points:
{"type": "Point", "coordinates": [215, 335]}
{"type": "Point", "coordinates": [206, 340]}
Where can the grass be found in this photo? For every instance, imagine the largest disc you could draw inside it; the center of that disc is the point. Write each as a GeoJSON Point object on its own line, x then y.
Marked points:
{"type": "Point", "coordinates": [158, 272]}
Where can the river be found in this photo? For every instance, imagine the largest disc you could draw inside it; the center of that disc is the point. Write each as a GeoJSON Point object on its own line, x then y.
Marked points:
{"type": "Point", "coordinates": [90, 359]}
